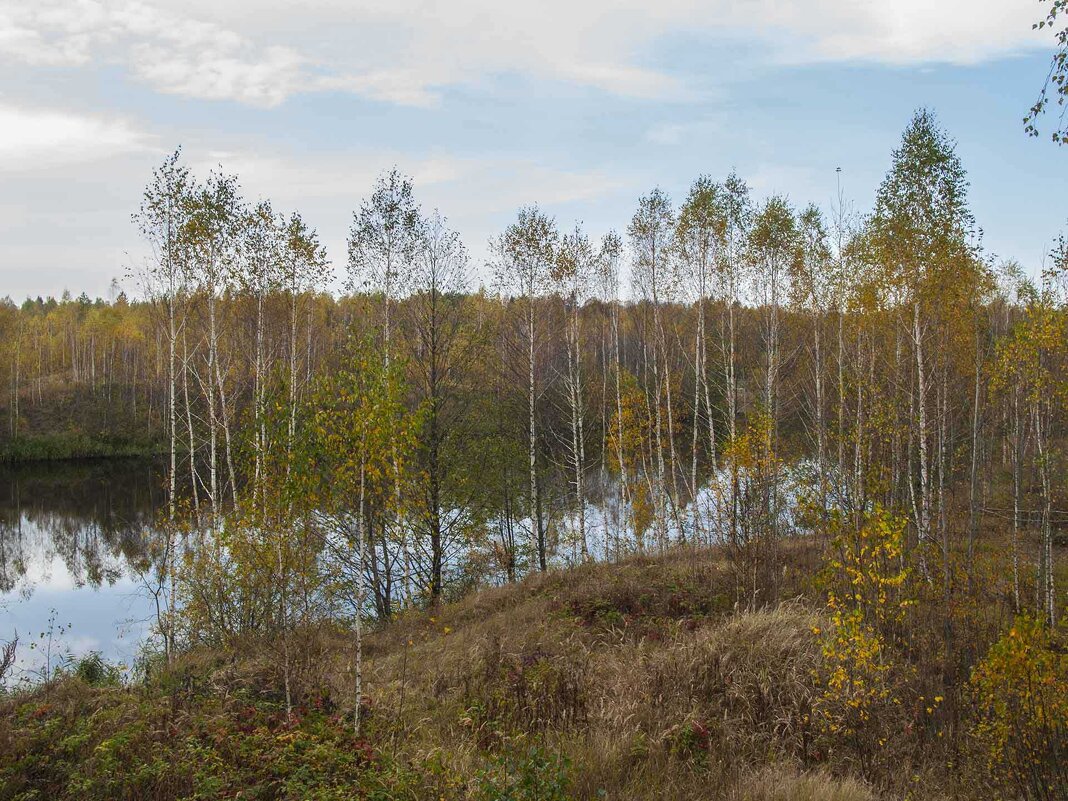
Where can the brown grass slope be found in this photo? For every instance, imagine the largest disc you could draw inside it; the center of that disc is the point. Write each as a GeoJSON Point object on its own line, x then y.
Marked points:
{"type": "Point", "coordinates": [641, 680]}
{"type": "Point", "coordinates": [642, 674]}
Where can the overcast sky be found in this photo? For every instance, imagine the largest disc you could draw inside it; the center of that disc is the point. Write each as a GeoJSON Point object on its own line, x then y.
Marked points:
{"type": "Point", "coordinates": [578, 105]}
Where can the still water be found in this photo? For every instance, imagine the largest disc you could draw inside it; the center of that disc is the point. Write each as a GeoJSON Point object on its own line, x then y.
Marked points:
{"type": "Point", "coordinates": [72, 558]}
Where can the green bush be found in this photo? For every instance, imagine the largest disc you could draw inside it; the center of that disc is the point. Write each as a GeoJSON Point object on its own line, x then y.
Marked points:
{"type": "Point", "coordinates": [95, 671]}
{"type": "Point", "coordinates": [532, 775]}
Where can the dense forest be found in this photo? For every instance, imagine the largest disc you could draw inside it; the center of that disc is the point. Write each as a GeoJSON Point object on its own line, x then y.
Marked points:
{"type": "Point", "coordinates": [862, 408]}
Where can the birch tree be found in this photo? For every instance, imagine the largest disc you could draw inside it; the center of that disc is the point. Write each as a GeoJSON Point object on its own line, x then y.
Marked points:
{"type": "Point", "coordinates": [732, 273]}
{"type": "Point", "coordinates": [162, 221]}
{"type": "Point", "coordinates": [699, 237]}
{"type": "Point", "coordinates": [383, 242]}
{"type": "Point", "coordinates": [439, 280]}
{"type": "Point", "coordinates": [304, 270]}
{"type": "Point", "coordinates": [772, 242]}
{"type": "Point", "coordinates": [920, 231]}
{"type": "Point", "coordinates": [608, 280]}
{"type": "Point", "coordinates": [363, 436]}
{"type": "Point", "coordinates": [573, 273]}
{"type": "Point", "coordinates": [260, 279]}
{"type": "Point", "coordinates": [651, 233]}
{"type": "Point", "coordinates": [214, 228]}
{"type": "Point", "coordinates": [524, 257]}
{"type": "Point", "coordinates": [812, 286]}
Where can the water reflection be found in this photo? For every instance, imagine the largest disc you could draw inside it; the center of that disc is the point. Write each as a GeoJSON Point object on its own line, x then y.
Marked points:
{"type": "Point", "coordinates": [72, 539]}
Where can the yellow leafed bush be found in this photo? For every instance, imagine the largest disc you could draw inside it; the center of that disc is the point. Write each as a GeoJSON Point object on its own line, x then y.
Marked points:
{"type": "Point", "coordinates": [1021, 687]}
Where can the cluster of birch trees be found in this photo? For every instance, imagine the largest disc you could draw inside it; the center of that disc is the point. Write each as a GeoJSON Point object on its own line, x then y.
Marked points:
{"type": "Point", "coordinates": [727, 370]}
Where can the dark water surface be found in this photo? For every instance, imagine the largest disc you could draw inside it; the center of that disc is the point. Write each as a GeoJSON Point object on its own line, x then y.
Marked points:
{"type": "Point", "coordinates": [72, 550]}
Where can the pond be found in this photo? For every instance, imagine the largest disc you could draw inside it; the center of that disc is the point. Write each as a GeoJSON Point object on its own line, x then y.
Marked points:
{"type": "Point", "coordinates": [72, 558]}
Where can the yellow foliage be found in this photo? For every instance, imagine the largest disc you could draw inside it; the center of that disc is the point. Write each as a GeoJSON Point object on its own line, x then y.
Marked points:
{"type": "Point", "coordinates": [1021, 687]}
{"type": "Point", "coordinates": [864, 581]}
{"type": "Point", "coordinates": [867, 570]}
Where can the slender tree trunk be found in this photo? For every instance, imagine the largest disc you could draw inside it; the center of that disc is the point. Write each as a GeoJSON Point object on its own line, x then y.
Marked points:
{"type": "Point", "coordinates": [578, 445]}
{"type": "Point", "coordinates": [732, 413]}
{"type": "Point", "coordinates": [973, 484]}
{"type": "Point", "coordinates": [856, 485]}
{"type": "Point", "coordinates": [259, 438]}
{"type": "Point", "coordinates": [402, 524]}
{"type": "Point", "coordinates": [193, 478]}
{"type": "Point", "coordinates": [661, 478]}
{"type": "Point", "coordinates": [171, 413]}
{"type": "Point", "coordinates": [698, 382]}
{"type": "Point", "coordinates": [213, 425]}
{"type": "Point", "coordinates": [624, 480]}
{"type": "Point", "coordinates": [841, 396]}
{"type": "Point", "coordinates": [709, 410]}
{"type": "Point", "coordinates": [168, 635]}
{"type": "Point", "coordinates": [15, 388]}
{"type": "Point", "coordinates": [292, 430]}
{"type": "Point", "coordinates": [923, 522]}
{"type": "Point", "coordinates": [1016, 465]}
{"type": "Point", "coordinates": [821, 428]}
{"type": "Point", "coordinates": [434, 447]}
{"type": "Point", "coordinates": [535, 506]}
{"type": "Point", "coordinates": [605, 418]}
{"type": "Point", "coordinates": [224, 408]}
{"type": "Point", "coordinates": [283, 608]}
{"type": "Point", "coordinates": [360, 585]}
{"type": "Point", "coordinates": [673, 499]}
{"type": "Point", "coordinates": [1045, 585]}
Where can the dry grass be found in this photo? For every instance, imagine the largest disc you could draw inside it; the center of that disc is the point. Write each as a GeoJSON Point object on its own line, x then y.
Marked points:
{"type": "Point", "coordinates": [782, 784]}
{"type": "Point", "coordinates": [745, 686]}
{"type": "Point", "coordinates": [642, 674]}
{"type": "Point", "coordinates": [646, 677]}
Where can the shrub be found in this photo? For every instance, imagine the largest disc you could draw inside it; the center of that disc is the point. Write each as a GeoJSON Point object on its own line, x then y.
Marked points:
{"type": "Point", "coordinates": [866, 601]}
{"type": "Point", "coordinates": [1021, 688]}
{"type": "Point", "coordinates": [95, 671]}
{"type": "Point", "coordinates": [533, 775]}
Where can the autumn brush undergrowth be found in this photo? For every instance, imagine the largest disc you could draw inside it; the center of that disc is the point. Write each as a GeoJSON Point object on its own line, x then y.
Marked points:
{"type": "Point", "coordinates": [637, 680]}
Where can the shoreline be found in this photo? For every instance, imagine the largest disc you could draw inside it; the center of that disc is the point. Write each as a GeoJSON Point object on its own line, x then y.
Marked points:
{"type": "Point", "coordinates": [71, 447]}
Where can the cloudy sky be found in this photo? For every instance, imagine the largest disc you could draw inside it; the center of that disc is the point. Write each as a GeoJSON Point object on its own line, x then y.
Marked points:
{"type": "Point", "coordinates": [579, 105]}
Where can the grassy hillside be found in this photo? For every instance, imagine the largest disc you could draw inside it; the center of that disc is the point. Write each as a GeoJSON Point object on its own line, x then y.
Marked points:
{"type": "Point", "coordinates": [630, 681]}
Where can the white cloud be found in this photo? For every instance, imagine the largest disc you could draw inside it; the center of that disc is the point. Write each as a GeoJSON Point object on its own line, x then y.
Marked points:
{"type": "Point", "coordinates": [325, 176]}
{"type": "Point", "coordinates": [488, 183]}
{"type": "Point", "coordinates": [406, 51]}
{"type": "Point", "coordinates": [676, 133]}
{"type": "Point", "coordinates": [905, 31]}
{"type": "Point", "coordinates": [214, 75]}
{"type": "Point", "coordinates": [163, 47]}
{"type": "Point", "coordinates": [403, 87]}
{"type": "Point", "coordinates": [36, 138]}
{"type": "Point", "coordinates": [622, 79]}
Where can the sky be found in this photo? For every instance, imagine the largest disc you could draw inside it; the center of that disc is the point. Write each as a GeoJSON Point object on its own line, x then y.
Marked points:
{"type": "Point", "coordinates": [580, 106]}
